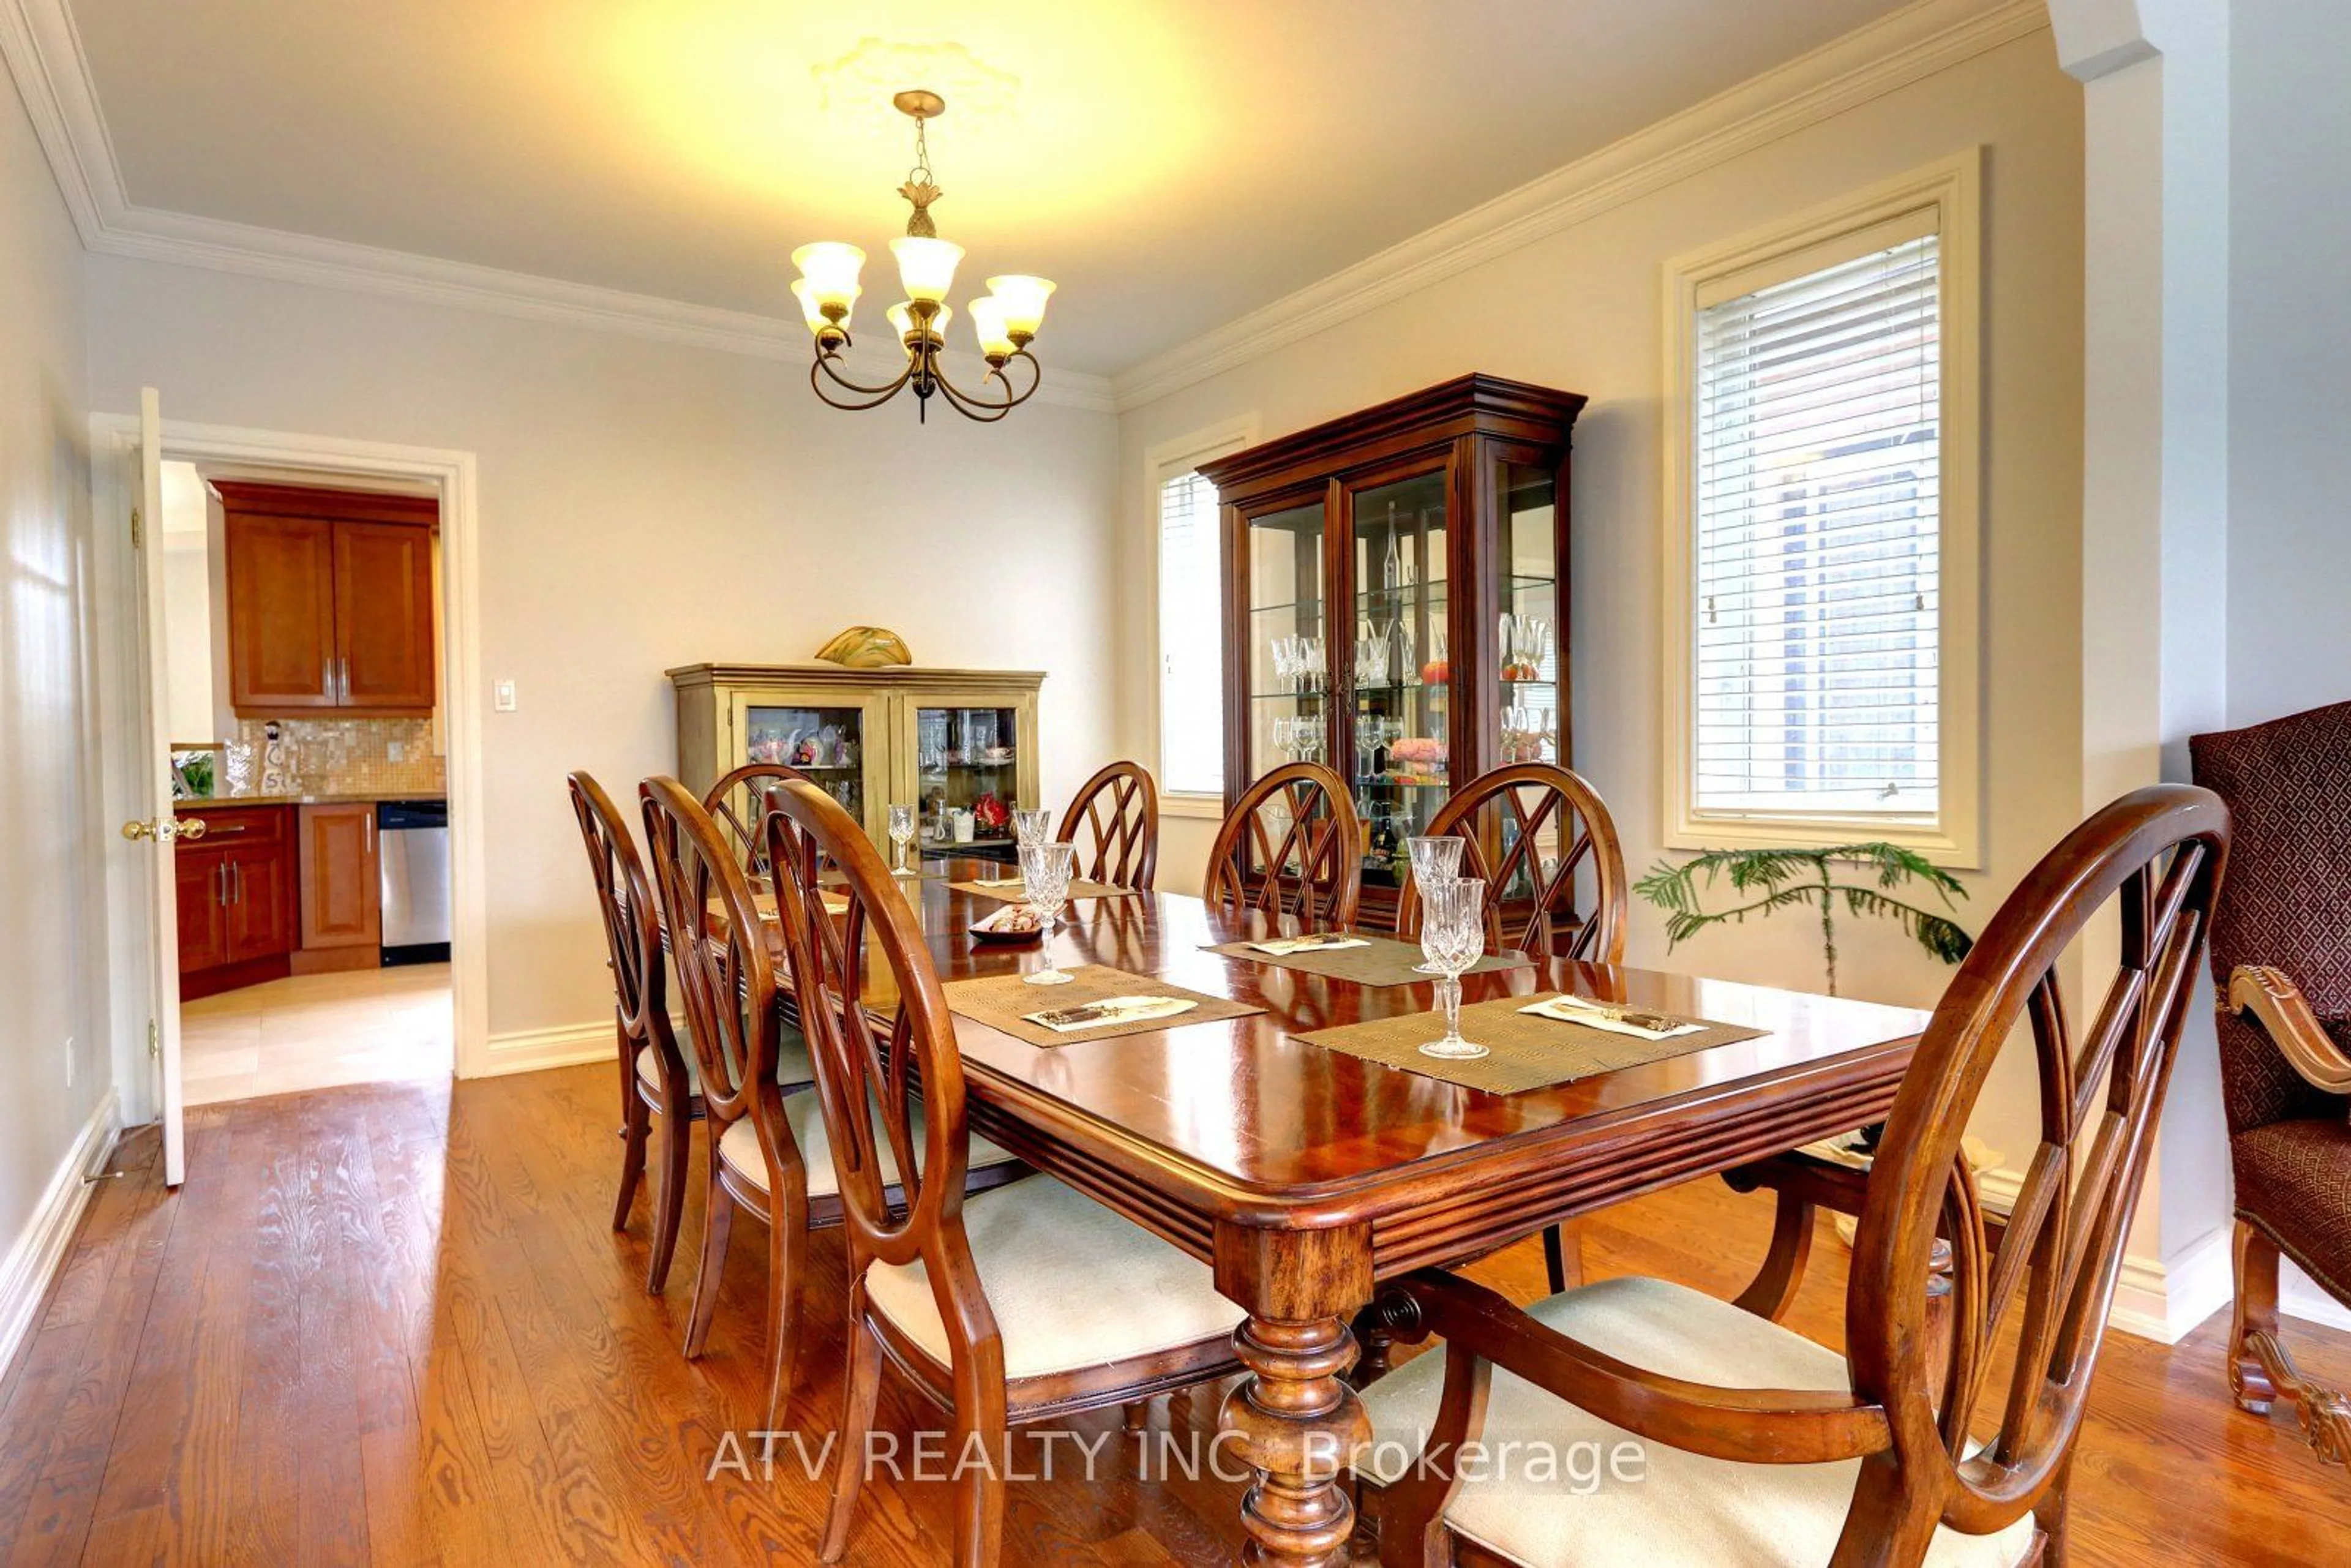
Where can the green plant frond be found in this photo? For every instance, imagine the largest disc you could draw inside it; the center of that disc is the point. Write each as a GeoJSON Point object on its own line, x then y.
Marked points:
{"type": "Point", "coordinates": [1939, 936]}
{"type": "Point", "coordinates": [1669, 887]}
{"type": "Point", "coordinates": [1895, 866]}
{"type": "Point", "coordinates": [1787, 877]}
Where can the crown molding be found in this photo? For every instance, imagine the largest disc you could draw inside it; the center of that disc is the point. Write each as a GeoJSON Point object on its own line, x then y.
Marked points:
{"type": "Point", "coordinates": [43, 54]}
{"type": "Point", "coordinates": [1898, 49]}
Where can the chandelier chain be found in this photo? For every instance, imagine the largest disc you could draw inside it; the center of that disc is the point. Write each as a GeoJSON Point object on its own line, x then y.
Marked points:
{"type": "Point", "coordinates": [920, 174]}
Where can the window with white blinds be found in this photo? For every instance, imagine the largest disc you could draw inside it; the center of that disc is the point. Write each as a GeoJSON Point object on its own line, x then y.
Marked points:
{"type": "Point", "coordinates": [1191, 638]}
{"type": "Point", "coordinates": [1817, 543]}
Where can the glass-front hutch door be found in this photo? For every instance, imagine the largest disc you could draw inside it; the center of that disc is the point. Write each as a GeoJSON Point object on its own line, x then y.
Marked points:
{"type": "Point", "coordinates": [968, 760]}
{"type": "Point", "coordinates": [1287, 630]}
{"type": "Point", "coordinates": [832, 737]}
{"type": "Point", "coordinates": [1399, 730]}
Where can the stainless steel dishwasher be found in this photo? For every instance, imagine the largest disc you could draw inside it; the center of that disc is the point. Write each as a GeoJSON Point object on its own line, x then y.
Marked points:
{"type": "Point", "coordinates": [413, 839]}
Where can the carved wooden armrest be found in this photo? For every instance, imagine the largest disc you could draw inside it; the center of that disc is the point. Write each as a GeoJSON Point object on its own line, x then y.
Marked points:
{"type": "Point", "coordinates": [1759, 1426]}
{"type": "Point", "coordinates": [2277, 1004]}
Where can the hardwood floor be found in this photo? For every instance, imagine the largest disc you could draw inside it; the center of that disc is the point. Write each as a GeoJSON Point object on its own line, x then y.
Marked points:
{"type": "Point", "coordinates": [390, 1323]}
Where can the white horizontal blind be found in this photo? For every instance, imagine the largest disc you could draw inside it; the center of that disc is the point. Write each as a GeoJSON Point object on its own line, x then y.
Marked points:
{"type": "Point", "coordinates": [1817, 541]}
{"type": "Point", "coordinates": [1191, 639]}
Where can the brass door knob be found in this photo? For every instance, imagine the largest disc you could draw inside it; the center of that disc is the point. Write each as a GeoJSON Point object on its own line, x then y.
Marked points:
{"type": "Point", "coordinates": [163, 830]}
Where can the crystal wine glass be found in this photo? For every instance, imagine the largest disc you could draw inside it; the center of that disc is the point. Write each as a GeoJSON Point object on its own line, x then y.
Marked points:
{"type": "Point", "coordinates": [902, 834]}
{"type": "Point", "coordinates": [1435, 859]}
{"type": "Point", "coordinates": [1045, 871]}
{"type": "Point", "coordinates": [1032, 827]}
{"type": "Point", "coordinates": [1453, 938]}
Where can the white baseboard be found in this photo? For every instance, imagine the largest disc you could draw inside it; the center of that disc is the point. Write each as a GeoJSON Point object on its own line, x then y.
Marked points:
{"type": "Point", "coordinates": [2153, 1299]}
{"type": "Point", "coordinates": [2298, 1298]}
{"type": "Point", "coordinates": [536, 1049]}
{"type": "Point", "coordinates": [34, 1258]}
{"type": "Point", "coordinates": [2167, 1301]}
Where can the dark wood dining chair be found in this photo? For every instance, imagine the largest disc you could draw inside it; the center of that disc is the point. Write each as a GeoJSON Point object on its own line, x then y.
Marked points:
{"type": "Point", "coordinates": [1544, 842]}
{"type": "Point", "coordinates": [1291, 845]}
{"type": "Point", "coordinates": [766, 1151]}
{"type": "Point", "coordinates": [1115, 822]}
{"type": "Point", "coordinates": [1029, 1303]}
{"type": "Point", "coordinates": [735, 801]}
{"type": "Point", "coordinates": [656, 1078]}
{"type": "Point", "coordinates": [2283, 940]}
{"type": "Point", "coordinates": [1911, 1446]}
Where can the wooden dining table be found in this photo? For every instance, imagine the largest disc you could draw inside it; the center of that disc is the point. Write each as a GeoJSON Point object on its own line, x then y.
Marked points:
{"type": "Point", "coordinates": [1304, 1176]}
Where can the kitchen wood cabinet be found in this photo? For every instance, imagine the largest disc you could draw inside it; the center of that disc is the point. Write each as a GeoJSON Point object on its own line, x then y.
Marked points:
{"type": "Point", "coordinates": [330, 600]}
{"type": "Point", "coordinates": [236, 893]}
{"type": "Point", "coordinates": [342, 897]}
{"type": "Point", "coordinates": [384, 616]}
{"type": "Point", "coordinates": [281, 621]}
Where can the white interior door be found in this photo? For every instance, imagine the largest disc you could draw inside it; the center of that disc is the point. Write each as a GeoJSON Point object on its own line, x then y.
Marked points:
{"type": "Point", "coordinates": [163, 1029]}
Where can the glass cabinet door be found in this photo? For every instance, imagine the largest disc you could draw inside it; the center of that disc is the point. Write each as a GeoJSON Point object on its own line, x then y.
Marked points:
{"type": "Point", "coordinates": [1399, 768]}
{"type": "Point", "coordinates": [1288, 656]}
{"type": "Point", "coordinates": [827, 743]}
{"type": "Point", "coordinates": [967, 765]}
{"type": "Point", "coordinates": [1528, 648]}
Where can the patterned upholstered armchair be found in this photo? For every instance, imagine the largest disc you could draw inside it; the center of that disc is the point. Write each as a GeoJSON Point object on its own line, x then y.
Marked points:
{"type": "Point", "coordinates": [2281, 939]}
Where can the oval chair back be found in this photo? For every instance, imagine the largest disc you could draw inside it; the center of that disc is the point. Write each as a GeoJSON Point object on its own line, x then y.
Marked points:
{"type": "Point", "coordinates": [2155, 858]}
{"type": "Point", "coordinates": [1555, 868]}
{"type": "Point", "coordinates": [734, 1007]}
{"type": "Point", "coordinates": [1291, 845]}
{"type": "Point", "coordinates": [632, 932]}
{"type": "Point", "coordinates": [735, 803]}
{"type": "Point", "coordinates": [1117, 813]}
{"type": "Point", "coordinates": [901, 1080]}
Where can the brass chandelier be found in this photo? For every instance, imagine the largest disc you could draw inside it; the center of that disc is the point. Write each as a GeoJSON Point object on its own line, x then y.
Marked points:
{"type": "Point", "coordinates": [1005, 319]}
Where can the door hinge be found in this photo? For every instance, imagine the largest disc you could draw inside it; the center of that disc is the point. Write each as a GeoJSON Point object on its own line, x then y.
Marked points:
{"type": "Point", "coordinates": [155, 1039]}
{"type": "Point", "coordinates": [138, 532]}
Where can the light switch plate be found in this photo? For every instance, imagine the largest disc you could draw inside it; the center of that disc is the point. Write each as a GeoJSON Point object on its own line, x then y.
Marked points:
{"type": "Point", "coordinates": [502, 695]}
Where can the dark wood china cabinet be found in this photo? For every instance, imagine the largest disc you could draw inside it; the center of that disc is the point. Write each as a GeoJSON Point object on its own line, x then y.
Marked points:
{"type": "Point", "coordinates": [1395, 601]}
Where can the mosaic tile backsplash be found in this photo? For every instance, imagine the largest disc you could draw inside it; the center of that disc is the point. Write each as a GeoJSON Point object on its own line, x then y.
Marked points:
{"type": "Point", "coordinates": [354, 756]}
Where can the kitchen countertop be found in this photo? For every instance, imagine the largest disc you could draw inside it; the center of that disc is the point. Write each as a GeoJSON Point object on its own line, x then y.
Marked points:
{"type": "Point", "coordinates": [320, 798]}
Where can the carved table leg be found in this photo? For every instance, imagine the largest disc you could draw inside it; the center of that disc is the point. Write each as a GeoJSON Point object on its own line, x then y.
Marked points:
{"type": "Point", "coordinates": [1295, 1419]}
{"type": "Point", "coordinates": [1298, 1421]}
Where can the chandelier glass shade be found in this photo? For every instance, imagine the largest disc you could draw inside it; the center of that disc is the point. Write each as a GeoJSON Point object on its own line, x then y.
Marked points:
{"type": "Point", "coordinates": [1004, 322]}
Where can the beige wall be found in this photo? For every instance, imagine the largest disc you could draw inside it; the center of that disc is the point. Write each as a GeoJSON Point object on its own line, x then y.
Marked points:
{"type": "Point", "coordinates": [52, 877]}
{"type": "Point", "coordinates": [641, 505]}
{"type": "Point", "coordinates": [1579, 309]}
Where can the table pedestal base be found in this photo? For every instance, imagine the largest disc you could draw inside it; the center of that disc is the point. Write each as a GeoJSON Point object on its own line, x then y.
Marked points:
{"type": "Point", "coordinates": [1298, 1422]}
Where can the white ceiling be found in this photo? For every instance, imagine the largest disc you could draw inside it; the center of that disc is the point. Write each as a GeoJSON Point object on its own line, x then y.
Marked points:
{"type": "Point", "coordinates": [1172, 164]}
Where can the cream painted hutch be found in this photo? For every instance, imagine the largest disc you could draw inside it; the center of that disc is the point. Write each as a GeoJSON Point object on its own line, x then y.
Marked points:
{"type": "Point", "coordinates": [942, 739]}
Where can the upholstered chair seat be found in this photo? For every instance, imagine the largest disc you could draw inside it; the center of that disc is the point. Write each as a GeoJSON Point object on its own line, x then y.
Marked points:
{"type": "Point", "coordinates": [1687, 1510]}
{"type": "Point", "coordinates": [738, 1147]}
{"type": "Point", "coordinates": [2297, 1175]}
{"type": "Point", "coordinates": [792, 1067]}
{"type": "Point", "coordinates": [1072, 1285]}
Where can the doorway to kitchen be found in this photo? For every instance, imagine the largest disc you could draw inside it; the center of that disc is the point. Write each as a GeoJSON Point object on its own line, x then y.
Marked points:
{"type": "Point", "coordinates": [301, 668]}
{"type": "Point", "coordinates": [292, 670]}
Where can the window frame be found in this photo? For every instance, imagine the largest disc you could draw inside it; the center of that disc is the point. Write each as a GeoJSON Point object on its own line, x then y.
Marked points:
{"type": "Point", "coordinates": [1168, 460]}
{"type": "Point", "coordinates": [1951, 188]}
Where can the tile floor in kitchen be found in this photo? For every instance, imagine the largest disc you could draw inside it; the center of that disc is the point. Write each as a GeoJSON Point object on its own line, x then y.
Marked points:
{"type": "Point", "coordinates": [314, 1031]}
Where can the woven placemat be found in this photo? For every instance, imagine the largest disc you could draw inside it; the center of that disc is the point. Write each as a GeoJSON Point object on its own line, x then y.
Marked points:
{"type": "Point", "coordinates": [1001, 1000]}
{"type": "Point", "coordinates": [1383, 961]}
{"type": "Point", "coordinates": [1012, 891]}
{"type": "Point", "coordinates": [1523, 1051]}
